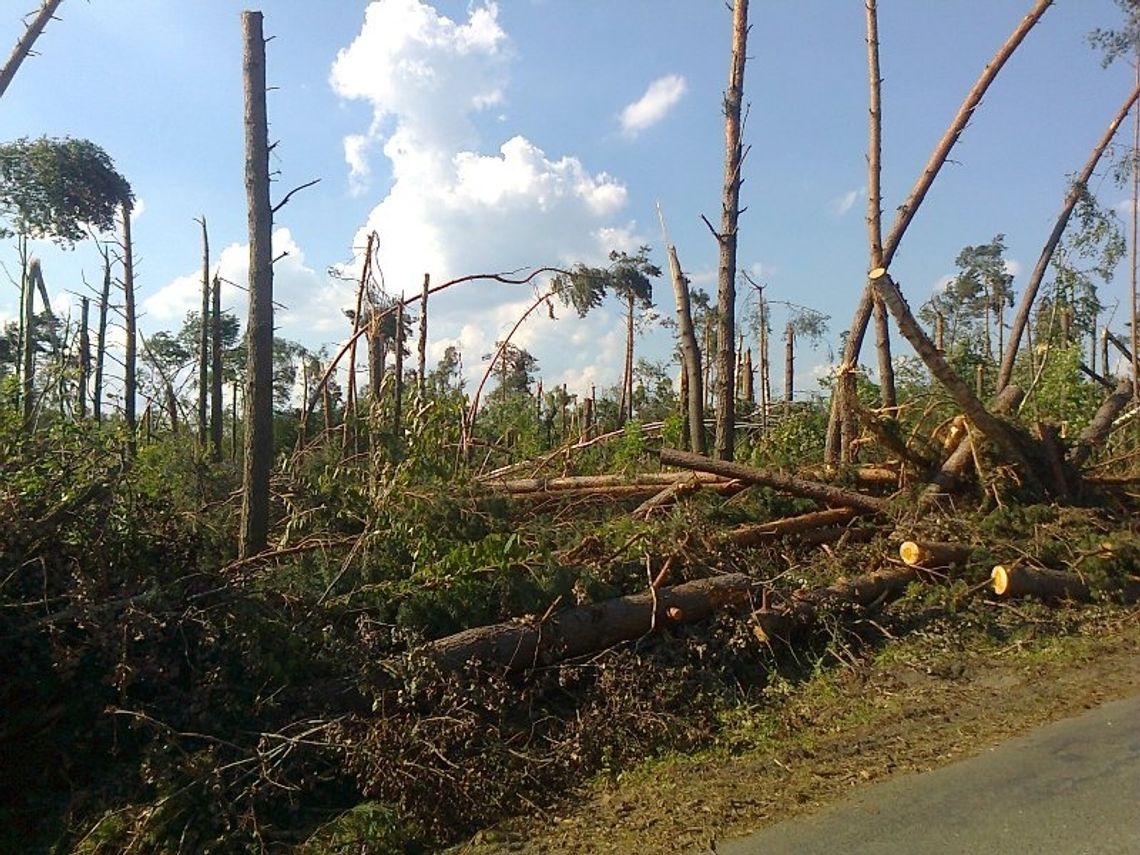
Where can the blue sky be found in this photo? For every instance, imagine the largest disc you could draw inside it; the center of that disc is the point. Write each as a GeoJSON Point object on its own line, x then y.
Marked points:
{"type": "Point", "coordinates": [481, 137]}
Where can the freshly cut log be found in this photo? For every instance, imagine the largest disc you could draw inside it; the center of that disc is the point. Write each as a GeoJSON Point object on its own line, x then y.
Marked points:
{"type": "Point", "coordinates": [588, 629]}
{"type": "Point", "coordinates": [781, 622]}
{"type": "Point", "coordinates": [754, 534]}
{"type": "Point", "coordinates": [823, 493]}
{"type": "Point", "coordinates": [1051, 585]}
{"type": "Point", "coordinates": [934, 555]}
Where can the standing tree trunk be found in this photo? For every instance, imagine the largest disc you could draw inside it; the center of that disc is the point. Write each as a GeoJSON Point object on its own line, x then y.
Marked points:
{"type": "Point", "coordinates": [28, 342]}
{"type": "Point", "coordinates": [101, 345]}
{"type": "Point", "coordinates": [1076, 191]}
{"type": "Point", "coordinates": [730, 216]}
{"type": "Point", "coordinates": [216, 428]}
{"type": "Point", "coordinates": [25, 42]}
{"type": "Point", "coordinates": [765, 364]}
{"type": "Point", "coordinates": [84, 354]}
{"type": "Point", "coordinates": [887, 394]}
{"type": "Point", "coordinates": [204, 342]}
{"type": "Point", "coordinates": [398, 370]}
{"type": "Point", "coordinates": [789, 363]}
{"type": "Point", "coordinates": [910, 206]}
{"type": "Point", "coordinates": [626, 404]}
{"type": "Point", "coordinates": [421, 371]}
{"type": "Point", "coordinates": [690, 355]}
{"type": "Point", "coordinates": [1135, 236]}
{"type": "Point", "coordinates": [130, 357]}
{"type": "Point", "coordinates": [258, 445]}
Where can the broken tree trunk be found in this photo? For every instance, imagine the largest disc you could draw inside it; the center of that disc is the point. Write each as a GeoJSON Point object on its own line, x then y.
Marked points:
{"type": "Point", "coordinates": [615, 493]}
{"type": "Point", "coordinates": [934, 555]}
{"type": "Point", "coordinates": [754, 534]}
{"type": "Point", "coordinates": [823, 493]}
{"type": "Point", "coordinates": [1049, 585]}
{"type": "Point", "coordinates": [1101, 425]}
{"type": "Point", "coordinates": [783, 621]}
{"type": "Point", "coordinates": [577, 482]}
{"type": "Point", "coordinates": [588, 629]}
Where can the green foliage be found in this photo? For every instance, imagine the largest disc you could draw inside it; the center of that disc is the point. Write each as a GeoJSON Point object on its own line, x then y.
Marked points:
{"type": "Point", "coordinates": [57, 188]}
{"type": "Point", "coordinates": [971, 302]}
{"type": "Point", "coordinates": [1062, 394]}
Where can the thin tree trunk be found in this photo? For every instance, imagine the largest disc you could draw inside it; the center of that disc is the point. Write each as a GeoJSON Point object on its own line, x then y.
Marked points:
{"type": "Point", "coordinates": [727, 236]}
{"type": "Point", "coordinates": [1079, 187]}
{"type": "Point", "coordinates": [101, 346]}
{"type": "Point", "coordinates": [909, 208]}
{"type": "Point", "coordinates": [626, 403]}
{"type": "Point", "coordinates": [130, 358]}
{"type": "Point", "coordinates": [398, 369]}
{"type": "Point", "coordinates": [874, 203]}
{"type": "Point", "coordinates": [1135, 235]}
{"type": "Point", "coordinates": [357, 320]}
{"type": "Point", "coordinates": [25, 42]}
{"type": "Point", "coordinates": [789, 363]}
{"type": "Point", "coordinates": [84, 354]}
{"type": "Point", "coordinates": [690, 353]}
{"type": "Point", "coordinates": [765, 365]}
{"type": "Point", "coordinates": [28, 343]}
{"type": "Point", "coordinates": [204, 342]}
{"type": "Point", "coordinates": [377, 346]}
{"type": "Point", "coordinates": [421, 371]}
{"type": "Point", "coordinates": [258, 445]}
{"type": "Point", "coordinates": [748, 391]}
{"type": "Point", "coordinates": [216, 427]}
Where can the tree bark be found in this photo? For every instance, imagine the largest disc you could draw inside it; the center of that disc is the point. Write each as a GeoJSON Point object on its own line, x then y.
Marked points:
{"type": "Point", "coordinates": [823, 493]}
{"type": "Point", "coordinates": [690, 354]}
{"type": "Point", "coordinates": [1100, 427]}
{"type": "Point", "coordinates": [421, 372]}
{"type": "Point", "coordinates": [765, 364]}
{"type": "Point", "coordinates": [577, 482]}
{"type": "Point", "coordinates": [934, 555]}
{"type": "Point", "coordinates": [101, 345]}
{"type": "Point", "coordinates": [398, 370]}
{"type": "Point", "coordinates": [588, 629]}
{"type": "Point", "coordinates": [258, 445]}
{"type": "Point", "coordinates": [727, 236]}
{"type": "Point", "coordinates": [755, 534]}
{"type": "Point", "coordinates": [28, 343]}
{"type": "Point", "coordinates": [1049, 585]}
{"type": "Point", "coordinates": [84, 354]}
{"type": "Point", "coordinates": [874, 202]}
{"type": "Point", "coordinates": [909, 208]}
{"type": "Point", "coordinates": [789, 363]}
{"type": "Point", "coordinates": [204, 342]}
{"type": "Point", "coordinates": [1079, 187]}
{"type": "Point", "coordinates": [25, 42]}
{"type": "Point", "coordinates": [130, 357]}
{"type": "Point", "coordinates": [216, 427]}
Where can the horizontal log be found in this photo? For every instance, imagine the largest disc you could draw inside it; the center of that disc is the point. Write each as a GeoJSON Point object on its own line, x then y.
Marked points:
{"type": "Point", "coordinates": [823, 493]}
{"type": "Point", "coordinates": [625, 491]}
{"type": "Point", "coordinates": [581, 630]}
{"type": "Point", "coordinates": [781, 622]}
{"type": "Point", "coordinates": [934, 555]}
{"type": "Point", "coordinates": [754, 534]}
{"type": "Point", "coordinates": [1050, 585]}
{"type": "Point", "coordinates": [578, 482]}
{"type": "Point", "coordinates": [864, 476]}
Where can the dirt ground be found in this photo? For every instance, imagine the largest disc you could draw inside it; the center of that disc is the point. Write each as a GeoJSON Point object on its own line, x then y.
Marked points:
{"type": "Point", "coordinates": [909, 706]}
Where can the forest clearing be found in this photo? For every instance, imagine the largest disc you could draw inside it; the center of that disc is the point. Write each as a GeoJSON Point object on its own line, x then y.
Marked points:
{"type": "Point", "coordinates": [262, 597]}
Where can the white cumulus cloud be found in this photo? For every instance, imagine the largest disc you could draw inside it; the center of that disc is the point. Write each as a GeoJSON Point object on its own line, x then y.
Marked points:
{"type": "Point", "coordinates": [660, 97]}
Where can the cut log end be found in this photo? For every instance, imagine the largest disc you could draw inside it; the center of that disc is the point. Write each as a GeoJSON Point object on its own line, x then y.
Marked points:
{"type": "Point", "coordinates": [1000, 580]}
{"type": "Point", "coordinates": [910, 553]}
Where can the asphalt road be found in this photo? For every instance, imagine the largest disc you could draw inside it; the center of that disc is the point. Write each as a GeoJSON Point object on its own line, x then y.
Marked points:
{"type": "Point", "coordinates": [1069, 788]}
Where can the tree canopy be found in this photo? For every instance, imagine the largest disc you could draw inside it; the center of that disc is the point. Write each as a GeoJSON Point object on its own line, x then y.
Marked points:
{"type": "Point", "coordinates": [57, 188]}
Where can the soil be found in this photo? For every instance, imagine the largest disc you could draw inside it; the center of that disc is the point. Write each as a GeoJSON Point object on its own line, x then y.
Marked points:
{"type": "Point", "coordinates": [910, 705]}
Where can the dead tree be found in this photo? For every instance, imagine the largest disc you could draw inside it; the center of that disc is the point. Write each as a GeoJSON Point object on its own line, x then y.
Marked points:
{"type": "Point", "coordinates": [28, 392]}
{"type": "Point", "coordinates": [25, 42]}
{"type": "Point", "coordinates": [130, 355]}
{"type": "Point", "coordinates": [907, 211]}
{"type": "Point", "coordinates": [204, 341]}
{"type": "Point", "coordinates": [84, 355]}
{"type": "Point", "coordinates": [734, 153]}
{"type": "Point", "coordinates": [421, 370]}
{"type": "Point", "coordinates": [101, 344]}
{"type": "Point", "coordinates": [259, 333]}
{"type": "Point", "coordinates": [690, 352]}
{"type": "Point", "coordinates": [216, 427]}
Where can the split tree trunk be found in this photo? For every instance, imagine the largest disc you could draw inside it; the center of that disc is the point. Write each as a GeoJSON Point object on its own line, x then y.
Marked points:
{"type": "Point", "coordinates": [690, 354]}
{"type": "Point", "coordinates": [588, 629]}
{"type": "Point", "coordinates": [25, 42]}
{"type": "Point", "coordinates": [258, 444]}
{"type": "Point", "coordinates": [1078, 189]}
{"type": "Point", "coordinates": [909, 208]}
{"type": "Point", "coordinates": [727, 236]}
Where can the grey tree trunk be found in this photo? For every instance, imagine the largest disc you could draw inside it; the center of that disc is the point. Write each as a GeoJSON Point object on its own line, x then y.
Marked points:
{"type": "Point", "coordinates": [101, 345]}
{"type": "Point", "coordinates": [887, 396]}
{"type": "Point", "coordinates": [398, 370]}
{"type": "Point", "coordinates": [84, 355]}
{"type": "Point", "coordinates": [730, 216]}
{"type": "Point", "coordinates": [216, 427]}
{"type": "Point", "coordinates": [690, 355]}
{"type": "Point", "coordinates": [28, 343]}
{"type": "Point", "coordinates": [1079, 187]}
{"type": "Point", "coordinates": [204, 343]}
{"type": "Point", "coordinates": [421, 369]}
{"type": "Point", "coordinates": [626, 403]}
{"type": "Point", "coordinates": [130, 357]}
{"type": "Point", "coordinates": [25, 42]}
{"type": "Point", "coordinates": [789, 363]}
{"type": "Point", "coordinates": [258, 445]}
{"type": "Point", "coordinates": [765, 365]}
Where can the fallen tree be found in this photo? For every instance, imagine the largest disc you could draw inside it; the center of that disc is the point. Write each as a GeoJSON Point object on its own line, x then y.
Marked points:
{"type": "Point", "coordinates": [1020, 580]}
{"type": "Point", "coordinates": [754, 534]}
{"type": "Point", "coordinates": [578, 482]}
{"type": "Point", "coordinates": [934, 555]}
{"type": "Point", "coordinates": [581, 630]}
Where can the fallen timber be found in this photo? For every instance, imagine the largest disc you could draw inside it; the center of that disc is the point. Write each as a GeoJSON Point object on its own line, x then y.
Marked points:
{"type": "Point", "coordinates": [582, 630]}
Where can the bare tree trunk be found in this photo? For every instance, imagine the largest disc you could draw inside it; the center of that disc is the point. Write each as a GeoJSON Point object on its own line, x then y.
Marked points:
{"type": "Point", "coordinates": [730, 216]}
{"type": "Point", "coordinates": [130, 356]}
{"type": "Point", "coordinates": [909, 208]}
{"type": "Point", "coordinates": [258, 445]}
{"type": "Point", "coordinates": [84, 354]}
{"type": "Point", "coordinates": [748, 391]}
{"type": "Point", "coordinates": [204, 341]}
{"type": "Point", "coordinates": [887, 394]}
{"type": "Point", "coordinates": [1101, 425]}
{"type": "Point", "coordinates": [25, 42]}
{"type": "Point", "coordinates": [1079, 188]}
{"type": "Point", "coordinates": [398, 396]}
{"type": "Point", "coordinates": [216, 427]}
{"type": "Point", "coordinates": [789, 363]}
{"type": "Point", "coordinates": [626, 404]}
{"type": "Point", "coordinates": [377, 349]}
{"type": "Point", "coordinates": [1135, 235]}
{"type": "Point", "coordinates": [421, 372]}
{"type": "Point", "coordinates": [690, 354]}
{"type": "Point", "coordinates": [28, 343]}
{"type": "Point", "coordinates": [101, 346]}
